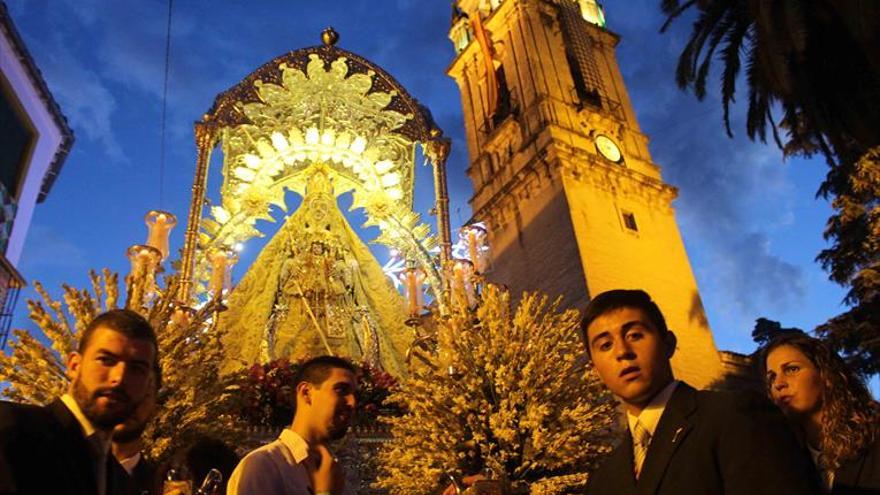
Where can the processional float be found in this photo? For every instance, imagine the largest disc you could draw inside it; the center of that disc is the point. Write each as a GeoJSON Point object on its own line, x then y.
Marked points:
{"type": "Point", "coordinates": [320, 122]}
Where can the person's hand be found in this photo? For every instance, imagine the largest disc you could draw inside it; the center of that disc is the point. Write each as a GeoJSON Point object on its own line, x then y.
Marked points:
{"type": "Point", "coordinates": [177, 488]}
{"type": "Point", "coordinates": [328, 475]}
{"type": "Point", "coordinates": [466, 481]}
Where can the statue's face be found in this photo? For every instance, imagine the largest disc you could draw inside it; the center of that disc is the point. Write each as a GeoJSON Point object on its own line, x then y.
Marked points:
{"type": "Point", "coordinates": [317, 248]}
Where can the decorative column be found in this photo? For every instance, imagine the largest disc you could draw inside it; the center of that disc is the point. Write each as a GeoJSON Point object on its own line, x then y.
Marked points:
{"type": "Point", "coordinates": [440, 151]}
{"type": "Point", "coordinates": [206, 136]}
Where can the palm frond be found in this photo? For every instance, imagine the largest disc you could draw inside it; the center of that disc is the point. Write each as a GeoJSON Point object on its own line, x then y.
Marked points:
{"type": "Point", "coordinates": [706, 24]}
{"type": "Point", "coordinates": [673, 9]}
{"type": "Point", "coordinates": [730, 56]}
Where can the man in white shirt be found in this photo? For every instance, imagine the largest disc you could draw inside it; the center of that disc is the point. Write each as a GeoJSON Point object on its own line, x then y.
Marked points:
{"type": "Point", "coordinates": [63, 448]}
{"type": "Point", "coordinates": [299, 463]}
{"type": "Point", "coordinates": [680, 440]}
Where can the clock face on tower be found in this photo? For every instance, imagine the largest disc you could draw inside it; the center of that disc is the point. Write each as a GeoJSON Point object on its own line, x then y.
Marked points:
{"type": "Point", "coordinates": [607, 148]}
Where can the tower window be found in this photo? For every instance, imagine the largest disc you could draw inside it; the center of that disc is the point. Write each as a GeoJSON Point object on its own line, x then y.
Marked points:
{"type": "Point", "coordinates": [592, 12]}
{"type": "Point", "coordinates": [580, 53]}
{"type": "Point", "coordinates": [461, 33]}
{"type": "Point", "coordinates": [586, 95]}
{"type": "Point", "coordinates": [503, 106]}
{"type": "Point", "coordinates": [629, 221]}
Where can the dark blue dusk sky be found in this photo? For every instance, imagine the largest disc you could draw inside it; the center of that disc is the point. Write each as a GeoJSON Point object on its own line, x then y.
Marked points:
{"type": "Point", "coordinates": [750, 221]}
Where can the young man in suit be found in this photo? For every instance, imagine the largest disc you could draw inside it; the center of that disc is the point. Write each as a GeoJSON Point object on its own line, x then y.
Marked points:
{"type": "Point", "coordinates": [680, 440]}
{"type": "Point", "coordinates": [63, 448]}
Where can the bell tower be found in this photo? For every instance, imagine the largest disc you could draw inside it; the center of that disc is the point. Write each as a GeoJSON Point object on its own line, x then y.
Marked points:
{"type": "Point", "coordinates": [561, 171]}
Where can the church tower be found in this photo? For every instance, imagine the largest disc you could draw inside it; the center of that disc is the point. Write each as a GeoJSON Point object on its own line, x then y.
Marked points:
{"type": "Point", "coordinates": [561, 171]}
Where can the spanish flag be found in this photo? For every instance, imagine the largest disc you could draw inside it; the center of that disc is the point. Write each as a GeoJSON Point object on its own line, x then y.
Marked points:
{"type": "Point", "coordinates": [489, 56]}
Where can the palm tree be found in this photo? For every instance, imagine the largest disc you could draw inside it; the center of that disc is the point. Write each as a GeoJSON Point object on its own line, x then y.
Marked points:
{"type": "Point", "coordinates": [818, 60]}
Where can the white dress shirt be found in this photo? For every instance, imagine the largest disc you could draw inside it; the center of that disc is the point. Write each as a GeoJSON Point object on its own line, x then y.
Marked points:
{"type": "Point", "coordinates": [278, 468]}
{"type": "Point", "coordinates": [650, 415]}
{"type": "Point", "coordinates": [129, 463]}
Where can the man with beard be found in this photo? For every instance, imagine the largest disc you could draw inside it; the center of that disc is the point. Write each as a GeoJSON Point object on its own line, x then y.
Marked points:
{"type": "Point", "coordinates": [128, 445]}
{"type": "Point", "coordinates": [63, 448]}
{"type": "Point", "coordinates": [299, 463]}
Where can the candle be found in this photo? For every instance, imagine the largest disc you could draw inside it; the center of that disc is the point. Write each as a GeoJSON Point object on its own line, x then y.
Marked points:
{"type": "Point", "coordinates": [458, 274]}
{"type": "Point", "coordinates": [420, 294]}
{"type": "Point", "coordinates": [218, 259]}
{"type": "Point", "coordinates": [412, 297]}
{"type": "Point", "coordinates": [182, 316]}
{"type": "Point", "coordinates": [472, 246]}
{"type": "Point", "coordinates": [475, 237]}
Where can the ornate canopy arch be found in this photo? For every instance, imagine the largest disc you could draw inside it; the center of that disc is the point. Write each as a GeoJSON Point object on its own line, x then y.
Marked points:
{"type": "Point", "coordinates": [226, 109]}
{"type": "Point", "coordinates": [317, 107]}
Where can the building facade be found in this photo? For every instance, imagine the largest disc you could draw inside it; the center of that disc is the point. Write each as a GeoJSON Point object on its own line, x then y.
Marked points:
{"type": "Point", "coordinates": [562, 174]}
{"type": "Point", "coordinates": [34, 141]}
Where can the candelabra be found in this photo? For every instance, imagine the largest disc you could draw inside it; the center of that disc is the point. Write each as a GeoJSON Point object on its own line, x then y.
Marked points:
{"type": "Point", "coordinates": [463, 280]}
{"type": "Point", "coordinates": [146, 259]}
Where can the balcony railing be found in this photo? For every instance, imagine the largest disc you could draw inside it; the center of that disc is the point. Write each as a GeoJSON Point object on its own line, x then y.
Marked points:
{"type": "Point", "coordinates": [11, 283]}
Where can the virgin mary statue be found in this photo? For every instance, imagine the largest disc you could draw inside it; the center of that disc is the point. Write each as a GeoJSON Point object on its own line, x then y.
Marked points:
{"type": "Point", "coordinates": [316, 289]}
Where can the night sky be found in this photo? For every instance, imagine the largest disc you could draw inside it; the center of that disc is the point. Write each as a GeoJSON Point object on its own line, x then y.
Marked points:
{"type": "Point", "coordinates": [750, 220]}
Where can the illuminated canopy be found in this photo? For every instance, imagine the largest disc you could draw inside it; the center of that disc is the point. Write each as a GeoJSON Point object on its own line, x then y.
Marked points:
{"type": "Point", "coordinates": [320, 108]}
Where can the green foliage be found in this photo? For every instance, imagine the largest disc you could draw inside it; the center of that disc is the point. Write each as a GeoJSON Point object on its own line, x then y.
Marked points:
{"type": "Point", "coordinates": [511, 392]}
{"type": "Point", "coordinates": [854, 260]}
{"type": "Point", "coordinates": [766, 330]}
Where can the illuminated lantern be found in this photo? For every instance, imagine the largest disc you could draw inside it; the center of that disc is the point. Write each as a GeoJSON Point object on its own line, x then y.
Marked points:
{"type": "Point", "coordinates": [144, 262]}
{"type": "Point", "coordinates": [159, 225]}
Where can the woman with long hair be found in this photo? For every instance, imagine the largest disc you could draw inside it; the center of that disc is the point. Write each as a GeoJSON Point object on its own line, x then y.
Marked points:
{"type": "Point", "coordinates": [830, 407]}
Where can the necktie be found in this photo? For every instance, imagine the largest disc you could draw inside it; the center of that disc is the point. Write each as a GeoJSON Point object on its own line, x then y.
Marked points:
{"type": "Point", "coordinates": [641, 440]}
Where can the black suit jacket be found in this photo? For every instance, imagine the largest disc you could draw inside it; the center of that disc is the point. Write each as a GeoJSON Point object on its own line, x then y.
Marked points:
{"type": "Point", "coordinates": [712, 443]}
{"type": "Point", "coordinates": [43, 451]}
{"type": "Point", "coordinates": [860, 476]}
{"type": "Point", "coordinates": [142, 480]}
